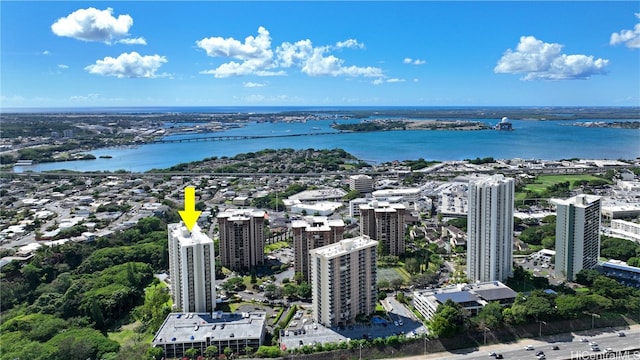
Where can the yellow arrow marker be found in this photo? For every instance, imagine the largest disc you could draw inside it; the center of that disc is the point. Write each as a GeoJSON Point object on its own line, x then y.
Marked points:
{"type": "Point", "coordinates": [189, 215]}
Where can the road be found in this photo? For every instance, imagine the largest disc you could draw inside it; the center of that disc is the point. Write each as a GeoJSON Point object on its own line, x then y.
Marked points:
{"type": "Point", "coordinates": [570, 347]}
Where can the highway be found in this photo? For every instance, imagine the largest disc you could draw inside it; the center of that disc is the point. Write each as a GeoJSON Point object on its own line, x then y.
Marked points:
{"type": "Point", "coordinates": [570, 347]}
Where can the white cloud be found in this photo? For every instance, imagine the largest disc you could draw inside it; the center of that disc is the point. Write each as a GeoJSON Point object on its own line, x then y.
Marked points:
{"type": "Point", "coordinates": [350, 43]}
{"type": "Point", "coordinates": [88, 97]}
{"type": "Point", "coordinates": [133, 41]}
{"type": "Point", "coordinates": [131, 65]}
{"type": "Point", "coordinates": [380, 81]}
{"type": "Point", "coordinates": [313, 61]}
{"type": "Point", "coordinates": [320, 65]}
{"type": "Point", "coordinates": [63, 66]}
{"type": "Point", "coordinates": [46, 52]}
{"type": "Point", "coordinates": [414, 61]}
{"type": "Point", "coordinates": [255, 53]}
{"type": "Point", "coordinates": [415, 80]}
{"type": "Point", "coordinates": [253, 84]}
{"type": "Point", "coordinates": [631, 38]}
{"type": "Point", "coordinates": [294, 54]}
{"type": "Point", "coordinates": [255, 57]}
{"type": "Point", "coordinates": [540, 60]}
{"type": "Point", "coordinates": [93, 25]}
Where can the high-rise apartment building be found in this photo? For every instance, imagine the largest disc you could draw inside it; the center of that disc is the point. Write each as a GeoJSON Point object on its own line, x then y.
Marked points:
{"type": "Point", "coordinates": [384, 222]}
{"type": "Point", "coordinates": [362, 183]}
{"type": "Point", "coordinates": [490, 228]}
{"type": "Point", "coordinates": [310, 233]}
{"type": "Point", "coordinates": [191, 269]}
{"type": "Point", "coordinates": [241, 238]}
{"type": "Point", "coordinates": [577, 234]}
{"type": "Point", "coordinates": [343, 280]}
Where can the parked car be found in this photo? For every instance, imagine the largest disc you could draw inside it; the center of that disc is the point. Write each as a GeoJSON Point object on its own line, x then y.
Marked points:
{"type": "Point", "coordinates": [621, 334]}
{"type": "Point", "coordinates": [528, 347]}
{"type": "Point", "coordinates": [555, 347]}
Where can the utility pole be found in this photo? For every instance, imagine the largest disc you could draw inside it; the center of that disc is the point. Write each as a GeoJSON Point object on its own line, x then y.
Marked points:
{"type": "Point", "coordinates": [540, 328]}
{"type": "Point", "coordinates": [426, 341]}
{"type": "Point", "coordinates": [485, 334]}
{"type": "Point", "coordinates": [593, 316]}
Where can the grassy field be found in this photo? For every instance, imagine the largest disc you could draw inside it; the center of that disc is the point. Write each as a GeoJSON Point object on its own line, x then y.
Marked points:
{"type": "Point", "coordinates": [543, 182]}
{"type": "Point", "coordinates": [127, 335]}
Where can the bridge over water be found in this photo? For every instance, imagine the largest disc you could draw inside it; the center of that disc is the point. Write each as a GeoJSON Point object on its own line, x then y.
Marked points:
{"type": "Point", "coordinates": [242, 137]}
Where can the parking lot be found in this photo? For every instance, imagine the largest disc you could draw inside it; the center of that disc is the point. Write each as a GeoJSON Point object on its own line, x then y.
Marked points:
{"type": "Point", "coordinates": [539, 263]}
{"type": "Point", "coordinates": [303, 331]}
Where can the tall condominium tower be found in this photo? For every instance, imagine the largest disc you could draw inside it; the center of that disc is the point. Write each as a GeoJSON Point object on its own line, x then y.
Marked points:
{"type": "Point", "coordinates": [191, 269]}
{"type": "Point", "coordinates": [490, 228]}
{"type": "Point", "coordinates": [577, 234]}
{"type": "Point", "coordinates": [343, 280]}
{"type": "Point", "coordinates": [241, 238]}
{"type": "Point", "coordinates": [384, 222]}
{"type": "Point", "coordinates": [311, 233]}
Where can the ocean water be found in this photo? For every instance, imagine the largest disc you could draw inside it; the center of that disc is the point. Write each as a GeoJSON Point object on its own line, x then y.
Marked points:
{"type": "Point", "coordinates": [547, 140]}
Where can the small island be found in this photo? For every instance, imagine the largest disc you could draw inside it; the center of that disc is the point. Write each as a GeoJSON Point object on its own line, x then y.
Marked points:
{"type": "Point", "coordinates": [388, 125]}
{"type": "Point", "coordinates": [613, 125]}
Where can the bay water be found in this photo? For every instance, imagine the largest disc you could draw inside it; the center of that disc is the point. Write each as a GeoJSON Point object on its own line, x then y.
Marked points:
{"type": "Point", "coordinates": [531, 139]}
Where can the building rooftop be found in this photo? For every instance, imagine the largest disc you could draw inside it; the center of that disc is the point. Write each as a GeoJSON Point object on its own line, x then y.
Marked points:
{"type": "Point", "coordinates": [187, 328]}
{"type": "Point", "coordinates": [319, 194]}
{"type": "Point", "coordinates": [581, 200]}
{"type": "Point", "coordinates": [344, 247]}
{"type": "Point", "coordinates": [623, 267]}
{"type": "Point", "coordinates": [496, 293]}
{"type": "Point", "coordinates": [457, 297]}
{"type": "Point", "coordinates": [186, 238]}
{"type": "Point", "coordinates": [241, 214]}
{"type": "Point", "coordinates": [317, 223]}
{"type": "Point", "coordinates": [480, 293]}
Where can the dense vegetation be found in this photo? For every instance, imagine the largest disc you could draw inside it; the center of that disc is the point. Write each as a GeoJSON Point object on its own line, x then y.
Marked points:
{"type": "Point", "coordinates": [600, 295]}
{"type": "Point", "coordinates": [270, 161]}
{"type": "Point", "coordinates": [62, 302]}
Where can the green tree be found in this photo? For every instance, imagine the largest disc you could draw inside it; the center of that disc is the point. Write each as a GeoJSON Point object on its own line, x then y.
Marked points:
{"type": "Point", "coordinates": [211, 351]}
{"type": "Point", "coordinates": [569, 306]}
{"type": "Point", "coordinates": [228, 352]}
{"type": "Point", "coordinates": [191, 353]}
{"type": "Point", "coordinates": [384, 284]}
{"type": "Point", "coordinates": [634, 261]}
{"type": "Point", "coordinates": [233, 284]}
{"type": "Point", "coordinates": [619, 249]}
{"type": "Point", "coordinates": [155, 308]}
{"type": "Point", "coordinates": [155, 353]}
{"type": "Point", "coordinates": [396, 283]}
{"type": "Point", "coordinates": [448, 320]}
{"type": "Point", "coordinates": [412, 265]}
{"type": "Point", "coordinates": [490, 316]}
{"type": "Point", "coordinates": [304, 290]}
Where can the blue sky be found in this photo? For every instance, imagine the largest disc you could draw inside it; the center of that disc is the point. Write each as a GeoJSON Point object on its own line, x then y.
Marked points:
{"type": "Point", "coordinates": [329, 53]}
